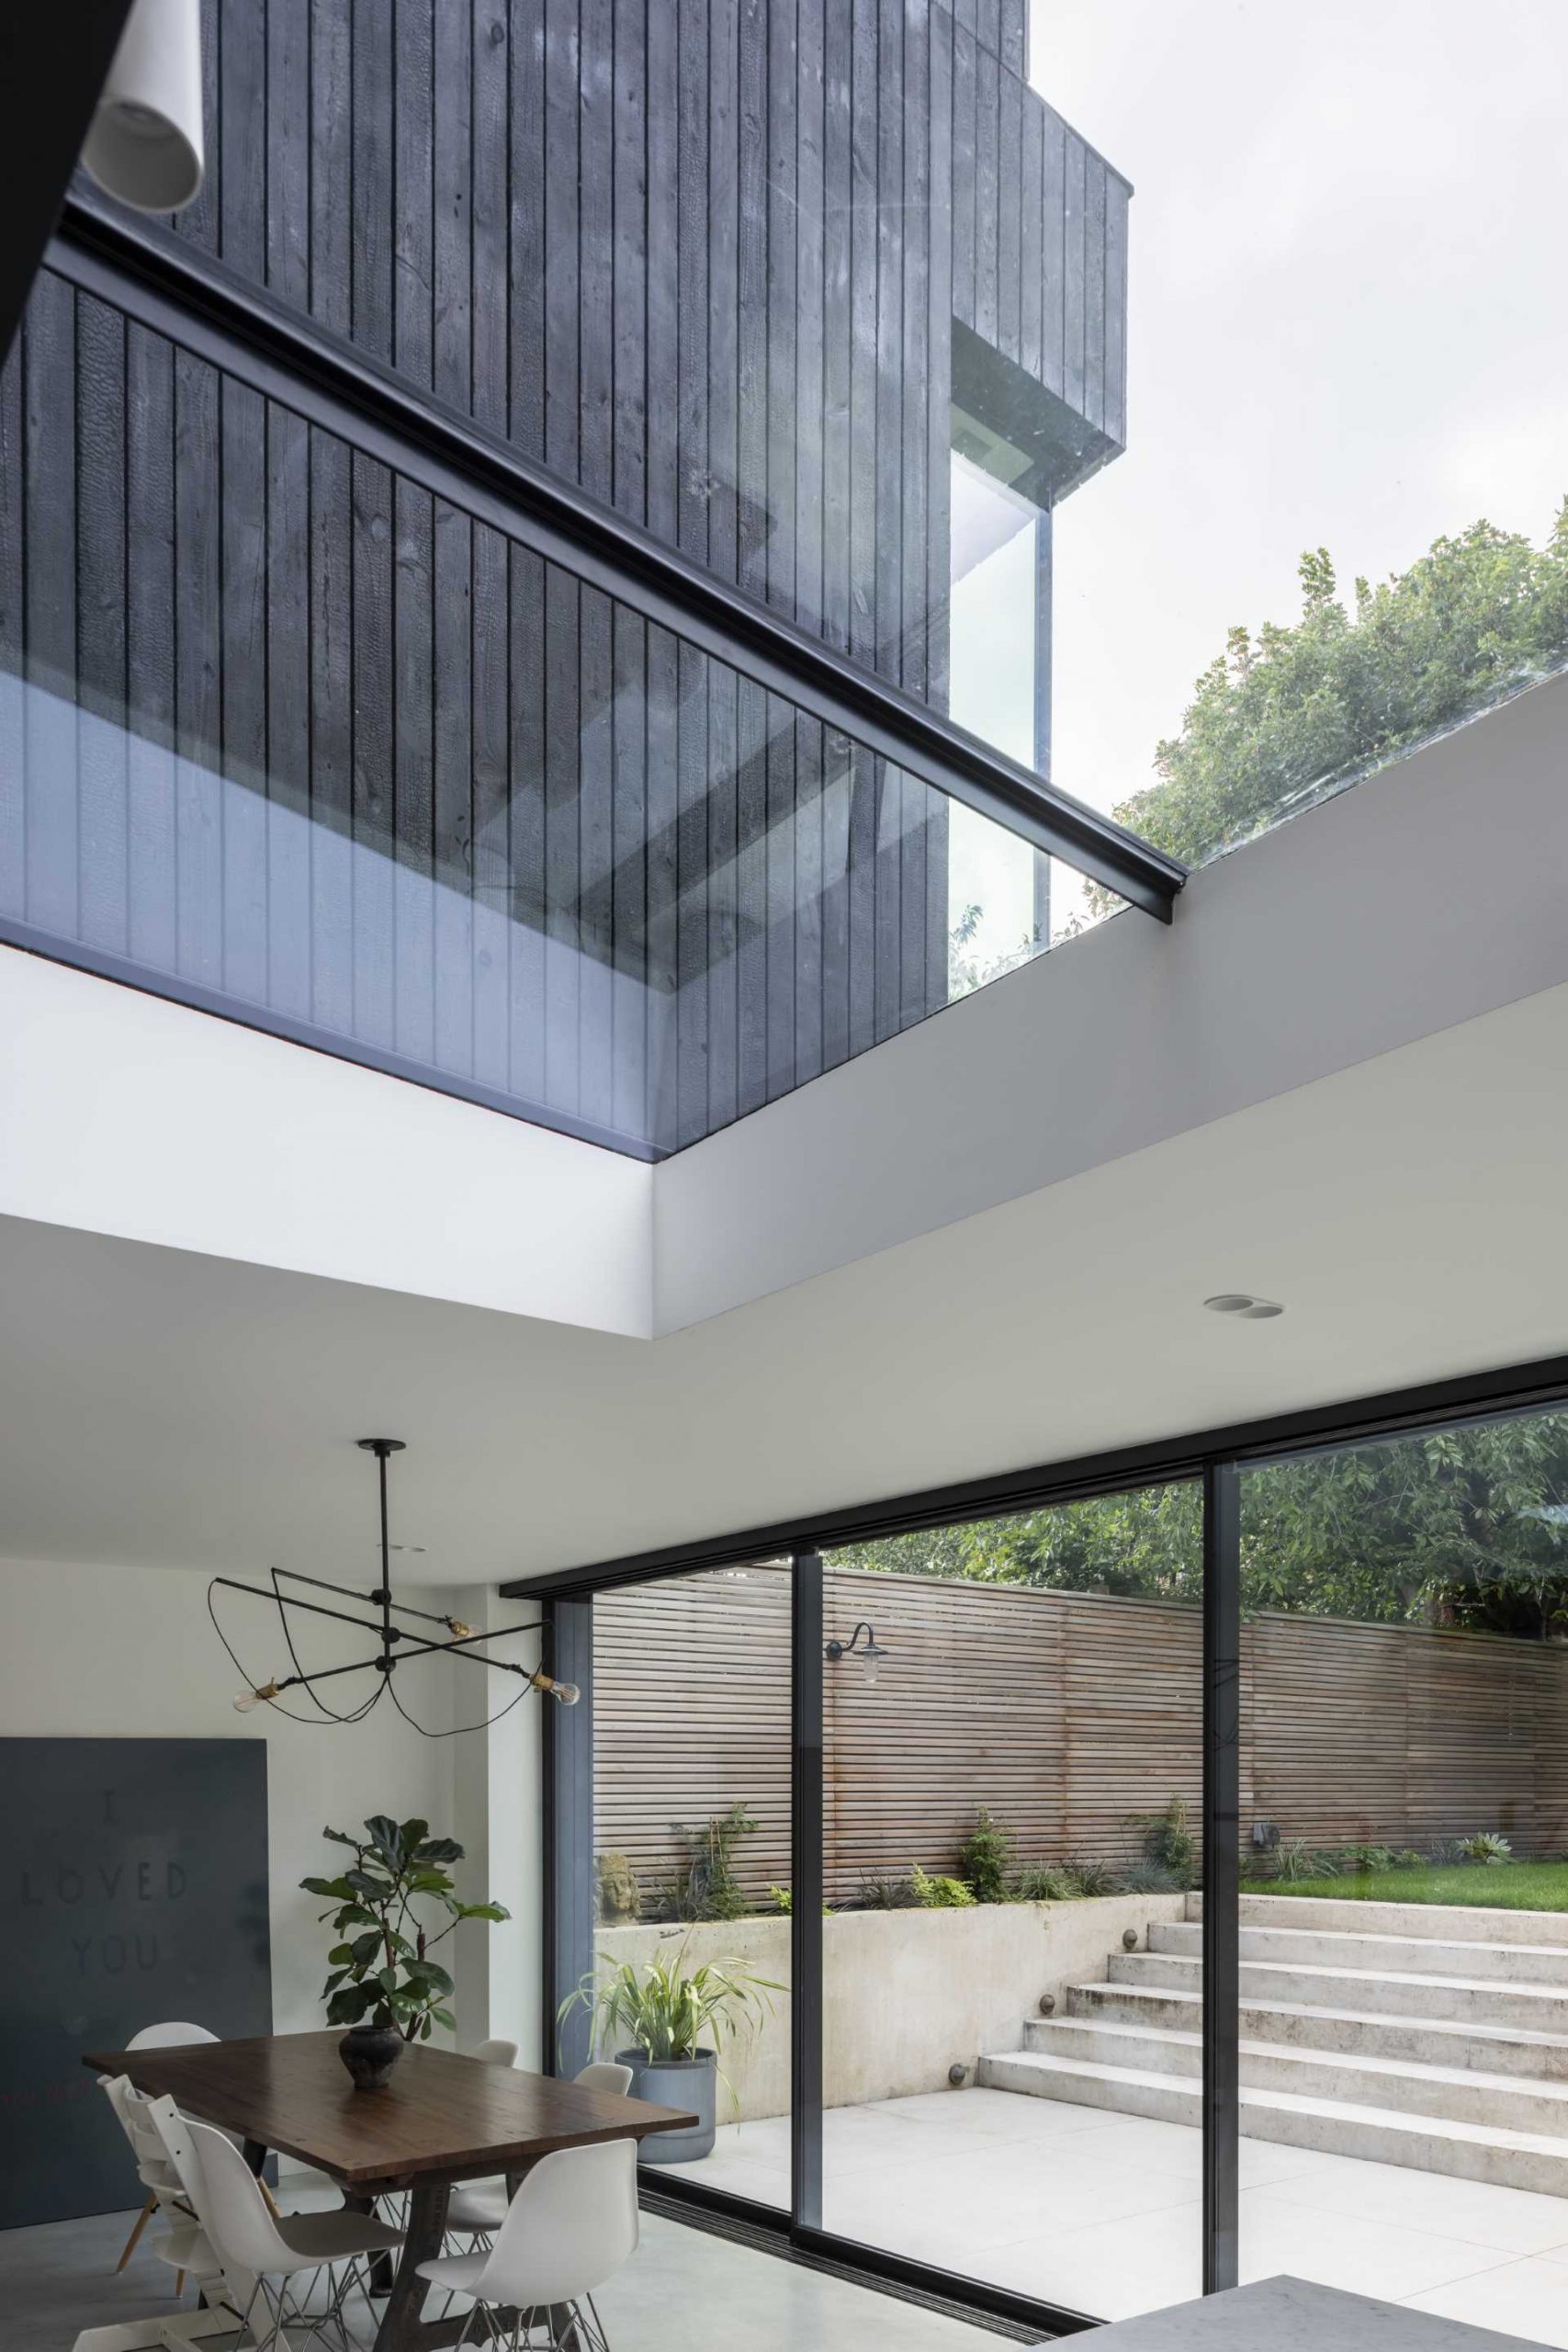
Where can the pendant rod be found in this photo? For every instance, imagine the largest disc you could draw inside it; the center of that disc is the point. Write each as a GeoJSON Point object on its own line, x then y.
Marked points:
{"type": "Point", "coordinates": [315, 1608]}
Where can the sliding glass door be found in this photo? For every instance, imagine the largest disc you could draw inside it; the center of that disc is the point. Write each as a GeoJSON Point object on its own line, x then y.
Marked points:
{"type": "Point", "coordinates": [691, 1814]}
{"type": "Point", "coordinates": [1404, 1962]}
{"type": "Point", "coordinates": [1011, 1996]}
{"type": "Point", "coordinates": [1112, 1898]}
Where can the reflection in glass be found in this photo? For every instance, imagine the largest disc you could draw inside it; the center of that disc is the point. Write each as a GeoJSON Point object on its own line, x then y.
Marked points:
{"type": "Point", "coordinates": [1013, 1819]}
{"type": "Point", "coordinates": [691, 1838]}
{"type": "Point", "coordinates": [1405, 1902]}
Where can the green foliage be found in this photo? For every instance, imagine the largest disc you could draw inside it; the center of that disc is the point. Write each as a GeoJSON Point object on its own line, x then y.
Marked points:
{"type": "Point", "coordinates": [1356, 1860]}
{"type": "Point", "coordinates": [382, 1975]}
{"type": "Point", "coordinates": [1090, 1877]}
{"type": "Point", "coordinates": [1455, 1528]}
{"type": "Point", "coordinates": [1293, 1858]}
{"type": "Point", "coordinates": [1046, 1882]}
{"type": "Point", "coordinates": [1486, 1846]}
{"type": "Point", "coordinates": [705, 1887]}
{"type": "Point", "coordinates": [784, 1900]}
{"type": "Point", "coordinates": [939, 1894]}
{"type": "Point", "coordinates": [1523, 1886]}
{"type": "Point", "coordinates": [1278, 720]}
{"type": "Point", "coordinates": [894, 1893]}
{"type": "Point", "coordinates": [986, 1860]}
{"type": "Point", "coordinates": [1167, 1844]}
{"type": "Point", "coordinates": [663, 2009]}
{"type": "Point", "coordinates": [1151, 1878]}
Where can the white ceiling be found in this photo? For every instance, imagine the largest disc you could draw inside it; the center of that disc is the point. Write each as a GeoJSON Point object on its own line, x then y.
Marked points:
{"type": "Point", "coordinates": [161, 1406]}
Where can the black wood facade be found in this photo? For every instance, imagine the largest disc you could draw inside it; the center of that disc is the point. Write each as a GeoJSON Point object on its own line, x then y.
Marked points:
{"type": "Point", "coordinates": [308, 738]}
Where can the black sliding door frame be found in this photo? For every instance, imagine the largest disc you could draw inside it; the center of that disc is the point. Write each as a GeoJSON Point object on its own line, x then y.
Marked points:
{"type": "Point", "coordinates": [1217, 1458]}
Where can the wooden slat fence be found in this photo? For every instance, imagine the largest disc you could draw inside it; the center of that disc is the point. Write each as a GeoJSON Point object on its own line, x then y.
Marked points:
{"type": "Point", "coordinates": [1063, 1713]}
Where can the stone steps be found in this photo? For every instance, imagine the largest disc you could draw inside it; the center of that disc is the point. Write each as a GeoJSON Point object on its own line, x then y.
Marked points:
{"type": "Point", "coordinates": [1458, 1923]}
{"type": "Point", "coordinates": [1506, 2158]}
{"type": "Point", "coordinates": [1541, 2007]}
{"type": "Point", "coordinates": [1432, 2037]}
{"type": "Point", "coordinates": [1464, 2094]}
{"type": "Point", "coordinates": [1401, 1955]}
{"type": "Point", "coordinates": [1437, 2041]}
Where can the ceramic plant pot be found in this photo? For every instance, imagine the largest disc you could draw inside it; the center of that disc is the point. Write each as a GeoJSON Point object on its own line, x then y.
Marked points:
{"type": "Point", "coordinates": [686, 2083]}
{"type": "Point", "coordinates": [370, 2052]}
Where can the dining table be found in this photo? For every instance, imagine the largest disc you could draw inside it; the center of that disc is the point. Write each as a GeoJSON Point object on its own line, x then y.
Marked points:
{"type": "Point", "coordinates": [441, 2119]}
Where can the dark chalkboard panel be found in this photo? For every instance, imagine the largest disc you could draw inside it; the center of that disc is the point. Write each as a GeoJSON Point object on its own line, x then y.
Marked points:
{"type": "Point", "coordinates": [136, 1892]}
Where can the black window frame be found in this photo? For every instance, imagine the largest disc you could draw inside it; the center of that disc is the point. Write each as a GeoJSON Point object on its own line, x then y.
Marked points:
{"type": "Point", "coordinates": [1215, 1458]}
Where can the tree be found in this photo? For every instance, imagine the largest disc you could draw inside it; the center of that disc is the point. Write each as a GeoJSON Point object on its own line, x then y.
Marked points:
{"type": "Point", "coordinates": [1279, 719]}
{"type": "Point", "coordinates": [1465, 1527]}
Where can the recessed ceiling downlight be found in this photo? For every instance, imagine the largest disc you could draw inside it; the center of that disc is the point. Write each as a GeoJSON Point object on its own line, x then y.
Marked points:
{"type": "Point", "coordinates": [1242, 1303]}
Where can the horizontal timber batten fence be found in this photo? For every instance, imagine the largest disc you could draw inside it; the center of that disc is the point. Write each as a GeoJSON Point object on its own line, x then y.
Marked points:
{"type": "Point", "coordinates": [1062, 1714]}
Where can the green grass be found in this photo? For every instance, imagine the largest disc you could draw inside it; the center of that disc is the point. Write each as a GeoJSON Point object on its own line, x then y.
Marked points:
{"type": "Point", "coordinates": [1500, 1886]}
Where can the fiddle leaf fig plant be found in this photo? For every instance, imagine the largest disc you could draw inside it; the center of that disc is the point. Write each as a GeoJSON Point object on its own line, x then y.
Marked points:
{"type": "Point", "coordinates": [382, 1974]}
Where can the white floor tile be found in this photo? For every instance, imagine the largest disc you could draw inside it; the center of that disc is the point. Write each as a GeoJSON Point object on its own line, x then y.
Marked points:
{"type": "Point", "coordinates": [1367, 2257]}
{"type": "Point", "coordinates": [1527, 2298]}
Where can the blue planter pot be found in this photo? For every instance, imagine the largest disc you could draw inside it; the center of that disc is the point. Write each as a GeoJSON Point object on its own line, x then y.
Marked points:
{"type": "Point", "coordinates": [690, 2083]}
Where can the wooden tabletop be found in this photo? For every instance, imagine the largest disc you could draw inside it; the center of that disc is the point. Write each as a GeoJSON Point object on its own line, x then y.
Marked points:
{"type": "Point", "coordinates": [441, 2117]}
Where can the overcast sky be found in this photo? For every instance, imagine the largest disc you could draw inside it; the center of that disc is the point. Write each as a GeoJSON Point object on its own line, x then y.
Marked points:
{"type": "Point", "coordinates": [1348, 318]}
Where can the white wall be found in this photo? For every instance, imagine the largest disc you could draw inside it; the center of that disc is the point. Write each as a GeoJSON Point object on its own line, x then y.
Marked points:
{"type": "Point", "coordinates": [1419, 899]}
{"type": "Point", "coordinates": [128, 1116]}
{"type": "Point", "coordinates": [127, 1653]}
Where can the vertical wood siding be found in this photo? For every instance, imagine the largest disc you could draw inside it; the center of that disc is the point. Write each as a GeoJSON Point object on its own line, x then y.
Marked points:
{"type": "Point", "coordinates": [697, 256]}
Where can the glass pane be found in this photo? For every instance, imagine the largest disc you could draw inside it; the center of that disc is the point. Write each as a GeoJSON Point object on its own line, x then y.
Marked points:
{"type": "Point", "coordinates": [284, 732]}
{"type": "Point", "coordinates": [1013, 1790]}
{"type": "Point", "coordinates": [691, 1831]}
{"type": "Point", "coordinates": [1405, 1903]}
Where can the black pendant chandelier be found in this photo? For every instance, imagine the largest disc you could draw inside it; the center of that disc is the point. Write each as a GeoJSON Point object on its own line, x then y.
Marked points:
{"type": "Point", "coordinates": [395, 1643]}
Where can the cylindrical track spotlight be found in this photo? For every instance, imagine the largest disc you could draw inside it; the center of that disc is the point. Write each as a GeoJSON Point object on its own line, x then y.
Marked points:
{"type": "Point", "coordinates": [145, 145]}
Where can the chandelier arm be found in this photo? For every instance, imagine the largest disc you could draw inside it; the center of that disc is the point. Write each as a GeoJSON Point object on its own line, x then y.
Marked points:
{"type": "Point", "coordinates": [348, 1591]}
{"type": "Point", "coordinates": [309, 1682]}
{"type": "Point", "coordinates": [314, 1721]}
{"type": "Point", "coordinates": [462, 1646]}
{"type": "Point", "coordinates": [402, 1608]}
{"type": "Point", "coordinates": [232, 1584]}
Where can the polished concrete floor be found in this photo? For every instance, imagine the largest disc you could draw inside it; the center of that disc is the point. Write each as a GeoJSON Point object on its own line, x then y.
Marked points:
{"type": "Point", "coordinates": [683, 2292]}
{"type": "Point", "coordinates": [1099, 2212]}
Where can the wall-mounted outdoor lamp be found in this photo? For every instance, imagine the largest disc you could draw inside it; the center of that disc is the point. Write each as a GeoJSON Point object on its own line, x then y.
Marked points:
{"type": "Point", "coordinates": [145, 145]}
{"type": "Point", "coordinates": [870, 1652]}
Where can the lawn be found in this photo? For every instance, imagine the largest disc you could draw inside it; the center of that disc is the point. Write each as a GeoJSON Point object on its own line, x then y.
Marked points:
{"type": "Point", "coordinates": [1500, 1886]}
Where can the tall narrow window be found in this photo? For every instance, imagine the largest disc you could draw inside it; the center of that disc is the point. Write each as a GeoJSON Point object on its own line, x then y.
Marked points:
{"type": "Point", "coordinates": [998, 650]}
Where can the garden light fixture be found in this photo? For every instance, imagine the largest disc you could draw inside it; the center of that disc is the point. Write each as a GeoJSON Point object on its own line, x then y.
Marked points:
{"type": "Point", "coordinates": [870, 1653]}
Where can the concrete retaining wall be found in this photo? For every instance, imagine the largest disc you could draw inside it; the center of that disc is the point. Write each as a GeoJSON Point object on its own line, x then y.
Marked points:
{"type": "Point", "coordinates": [906, 1993]}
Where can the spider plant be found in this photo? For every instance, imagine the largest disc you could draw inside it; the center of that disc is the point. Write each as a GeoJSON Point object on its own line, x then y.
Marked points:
{"type": "Point", "coordinates": [663, 2007]}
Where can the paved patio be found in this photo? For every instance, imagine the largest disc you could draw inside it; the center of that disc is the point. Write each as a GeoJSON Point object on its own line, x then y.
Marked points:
{"type": "Point", "coordinates": [1099, 2212]}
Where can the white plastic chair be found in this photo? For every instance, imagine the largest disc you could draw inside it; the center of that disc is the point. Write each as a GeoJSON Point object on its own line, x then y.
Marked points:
{"type": "Point", "coordinates": [572, 2224]}
{"type": "Point", "coordinates": [478, 2207]}
{"type": "Point", "coordinates": [168, 2037]}
{"type": "Point", "coordinates": [151, 2037]}
{"type": "Point", "coordinates": [604, 2074]}
{"type": "Point", "coordinates": [182, 2245]}
{"type": "Point", "coordinates": [497, 2053]}
{"type": "Point", "coordinates": [265, 2252]}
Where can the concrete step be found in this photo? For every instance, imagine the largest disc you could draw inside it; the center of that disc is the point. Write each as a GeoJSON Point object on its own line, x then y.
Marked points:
{"type": "Point", "coordinates": [1436, 2041]}
{"type": "Point", "coordinates": [1461, 2094]}
{"type": "Point", "coordinates": [1401, 1955]}
{"type": "Point", "coordinates": [1509, 2159]}
{"type": "Point", "coordinates": [1541, 2008]}
{"type": "Point", "coordinates": [1454, 1923]}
